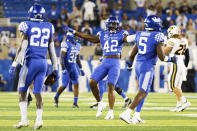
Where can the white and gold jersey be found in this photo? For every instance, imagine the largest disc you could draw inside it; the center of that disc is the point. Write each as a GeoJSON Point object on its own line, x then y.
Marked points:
{"type": "Point", "coordinates": [177, 71]}
{"type": "Point", "coordinates": [178, 46]}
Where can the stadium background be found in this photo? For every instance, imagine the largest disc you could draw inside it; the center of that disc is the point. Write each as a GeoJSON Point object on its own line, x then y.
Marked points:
{"type": "Point", "coordinates": [73, 12]}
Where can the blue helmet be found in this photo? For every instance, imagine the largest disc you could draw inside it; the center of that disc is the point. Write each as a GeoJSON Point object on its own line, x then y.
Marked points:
{"type": "Point", "coordinates": [112, 24]}
{"type": "Point", "coordinates": [36, 13]}
{"type": "Point", "coordinates": [152, 22]}
{"type": "Point", "coordinates": [70, 37]}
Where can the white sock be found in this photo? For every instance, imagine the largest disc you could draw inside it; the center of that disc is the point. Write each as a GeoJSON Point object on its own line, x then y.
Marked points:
{"type": "Point", "coordinates": [39, 114]}
{"type": "Point", "coordinates": [183, 99]}
{"type": "Point", "coordinates": [178, 103]}
{"type": "Point", "coordinates": [125, 98]}
{"type": "Point", "coordinates": [137, 114]}
{"type": "Point", "coordinates": [128, 111]}
{"type": "Point", "coordinates": [111, 110]}
{"type": "Point", "coordinates": [23, 109]}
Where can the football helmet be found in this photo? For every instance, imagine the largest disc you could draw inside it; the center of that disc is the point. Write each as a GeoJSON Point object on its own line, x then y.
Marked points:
{"type": "Point", "coordinates": [112, 24]}
{"type": "Point", "coordinates": [173, 30]}
{"type": "Point", "coordinates": [70, 37]}
{"type": "Point", "coordinates": [153, 23]}
{"type": "Point", "coordinates": [36, 13]}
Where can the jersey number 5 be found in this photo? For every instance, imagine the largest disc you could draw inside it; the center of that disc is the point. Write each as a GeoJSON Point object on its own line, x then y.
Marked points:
{"type": "Point", "coordinates": [43, 35]}
{"type": "Point", "coordinates": [142, 44]}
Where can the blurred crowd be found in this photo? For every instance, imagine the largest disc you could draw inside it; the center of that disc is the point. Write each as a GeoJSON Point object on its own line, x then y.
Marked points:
{"type": "Point", "coordinates": [90, 18]}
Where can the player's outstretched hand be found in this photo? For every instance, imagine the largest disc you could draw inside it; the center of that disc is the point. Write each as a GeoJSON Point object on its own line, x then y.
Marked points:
{"type": "Point", "coordinates": [171, 59]}
{"type": "Point", "coordinates": [82, 73]}
{"type": "Point", "coordinates": [68, 29]}
{"type": "Point", "coordinates": [129, 65]}
{"type": "Point", "coordinates": [12, 71]}
{"type": "Point", "coordinates": [174, 59]}
{"type": "Point", "coordinates": [56, 73]}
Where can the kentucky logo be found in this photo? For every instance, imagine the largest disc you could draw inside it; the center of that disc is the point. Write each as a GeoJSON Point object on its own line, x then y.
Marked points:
{"type": "Point", "coordinates": [156, 19]}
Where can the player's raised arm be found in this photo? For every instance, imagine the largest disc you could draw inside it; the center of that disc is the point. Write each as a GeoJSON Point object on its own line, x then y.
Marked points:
{"type": "Point", "coordinates": [91, 38]}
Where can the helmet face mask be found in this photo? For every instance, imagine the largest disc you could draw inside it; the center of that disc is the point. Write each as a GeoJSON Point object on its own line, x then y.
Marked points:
{"type": "Point", "coordinates": [112, 24]}
{"type": "Point", "coordinates": [36, 13]}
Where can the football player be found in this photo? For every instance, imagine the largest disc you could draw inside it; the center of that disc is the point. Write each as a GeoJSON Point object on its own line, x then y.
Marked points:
{"type": "Point", "coordinates": [148, 46]}
{"type": "Point", "coordinates": [111, 40]}
{"type": "Point", "coordinates": [37, 39]}
{"type": "Point", "coordinates": [102, 85]}
{"type": "Point", "coordinates": [70, 49]}
{"type": "Point", "coordinates": [176, 46]}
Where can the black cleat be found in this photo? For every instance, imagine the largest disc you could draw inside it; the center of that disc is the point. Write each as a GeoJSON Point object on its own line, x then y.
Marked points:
{"type": "Point", "coordinates": [127, 102]}
{"type": "Point", "coordinates": [94, 106]}
{"type": "Point", "coordinates": [75, 105]}
{"type": "Point", "coordinates": [56, 102]}
{"type": "Point", "coordinates": [29, 99]}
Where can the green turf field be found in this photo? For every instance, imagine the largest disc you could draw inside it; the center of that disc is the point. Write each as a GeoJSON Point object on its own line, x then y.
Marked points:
{"type": "Point", "coordinates": [155, 112]}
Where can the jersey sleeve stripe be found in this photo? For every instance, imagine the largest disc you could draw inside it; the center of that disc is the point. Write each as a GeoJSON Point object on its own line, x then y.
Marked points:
{"type": "Point", "coordinates": [170, 43]}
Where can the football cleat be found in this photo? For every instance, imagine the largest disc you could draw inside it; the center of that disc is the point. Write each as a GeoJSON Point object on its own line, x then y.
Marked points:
{"type": "Point", "coordinates": [101, 107]}
{"type": "Point", "coordinates": [110, 115]}
{"type": "Point", "coordinates": [94, 106]}
{"type": "Point", "coordinates": [56, 101]}
{"type": "Point", "coordinates": [37, 125]}
{"type": "Point", "coordinates": [137, 119]}
{"type": "Point", "coordinates": [176, 109]}
{"type": "Point", "coordinates": [127, 102]}
{"type": "Point", "coordinates": [21, 124]}
{"type": "Point", "coordinates": [126, 118]}
{"type": "Point", "coordinates": [184, 106]}
{"type": "Point", "coordinates": [75, 105]}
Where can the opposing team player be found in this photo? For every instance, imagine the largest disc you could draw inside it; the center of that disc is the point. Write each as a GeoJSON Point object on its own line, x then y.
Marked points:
{"type": "Point", "coordinates": [37, 39]}
{"type": "Point", "coordinates": [111, 40]}
{"type": "Point", "coordinates": [70, 49]}
{"type": "Point", "coordinates": [102, 85]}
{"type": "Point", "coordinates": [148, 46]}
{"type": "Point", "coordinates": [176, 45]}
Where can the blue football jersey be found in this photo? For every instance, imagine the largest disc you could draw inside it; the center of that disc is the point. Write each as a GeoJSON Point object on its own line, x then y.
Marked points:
{"type": "Point", "coordinates": [112, 42]}
{"type": "Point", "coordinates": [72, 50]}
{"type": "Point", "coordinates": [39, 34]}
{"type": "Point", "coordinates": [146, 44]}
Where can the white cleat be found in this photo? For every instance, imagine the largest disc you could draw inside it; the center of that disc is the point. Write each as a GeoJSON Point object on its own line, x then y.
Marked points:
{"type": "Point", "coordinates": [176, 109]}
{"type": "Point", "coordinates": [126, 118]}
{"type": "Point", "coordinates": [37, 125]}
{"type": "Point", "coordinates": [110, 115]}
{"type": "Point", "coordinates": [184, 106]}
{"type": "Point", "coordinates": [21, 124]}
{"type": "Point", "coordinates": [101, 107]}
{"type": "Point", "coordinates": [137, 119]}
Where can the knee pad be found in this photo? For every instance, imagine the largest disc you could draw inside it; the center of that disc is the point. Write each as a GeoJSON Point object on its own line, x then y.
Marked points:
{"type": "Point", "coordinates": [118, 90]}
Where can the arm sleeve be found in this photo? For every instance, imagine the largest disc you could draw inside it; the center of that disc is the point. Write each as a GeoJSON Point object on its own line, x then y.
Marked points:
{"type": "Point", "coordinates": [52, 55]}
{"type": "Point", "coordinates": [23, 27]}
{"type": "Point", "coordinates": [187, 57]}
{"type": "Point", "coordinates": [19, 58]}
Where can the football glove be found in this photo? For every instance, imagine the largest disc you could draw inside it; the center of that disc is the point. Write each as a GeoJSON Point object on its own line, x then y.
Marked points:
{"type": "Point", "coordinates": [68, 29]}
{"type": "Point", "coordinates": [12, 71]}
{"type": "Point", "coordinates": [82, 73]}
{"type": "Point", "coordinates": [129, 65]}
{"type": "Point", "coordinates": [171, 59]}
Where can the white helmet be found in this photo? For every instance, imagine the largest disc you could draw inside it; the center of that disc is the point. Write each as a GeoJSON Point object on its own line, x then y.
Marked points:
{"type": "Point", "coordinates": [173, 30]}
